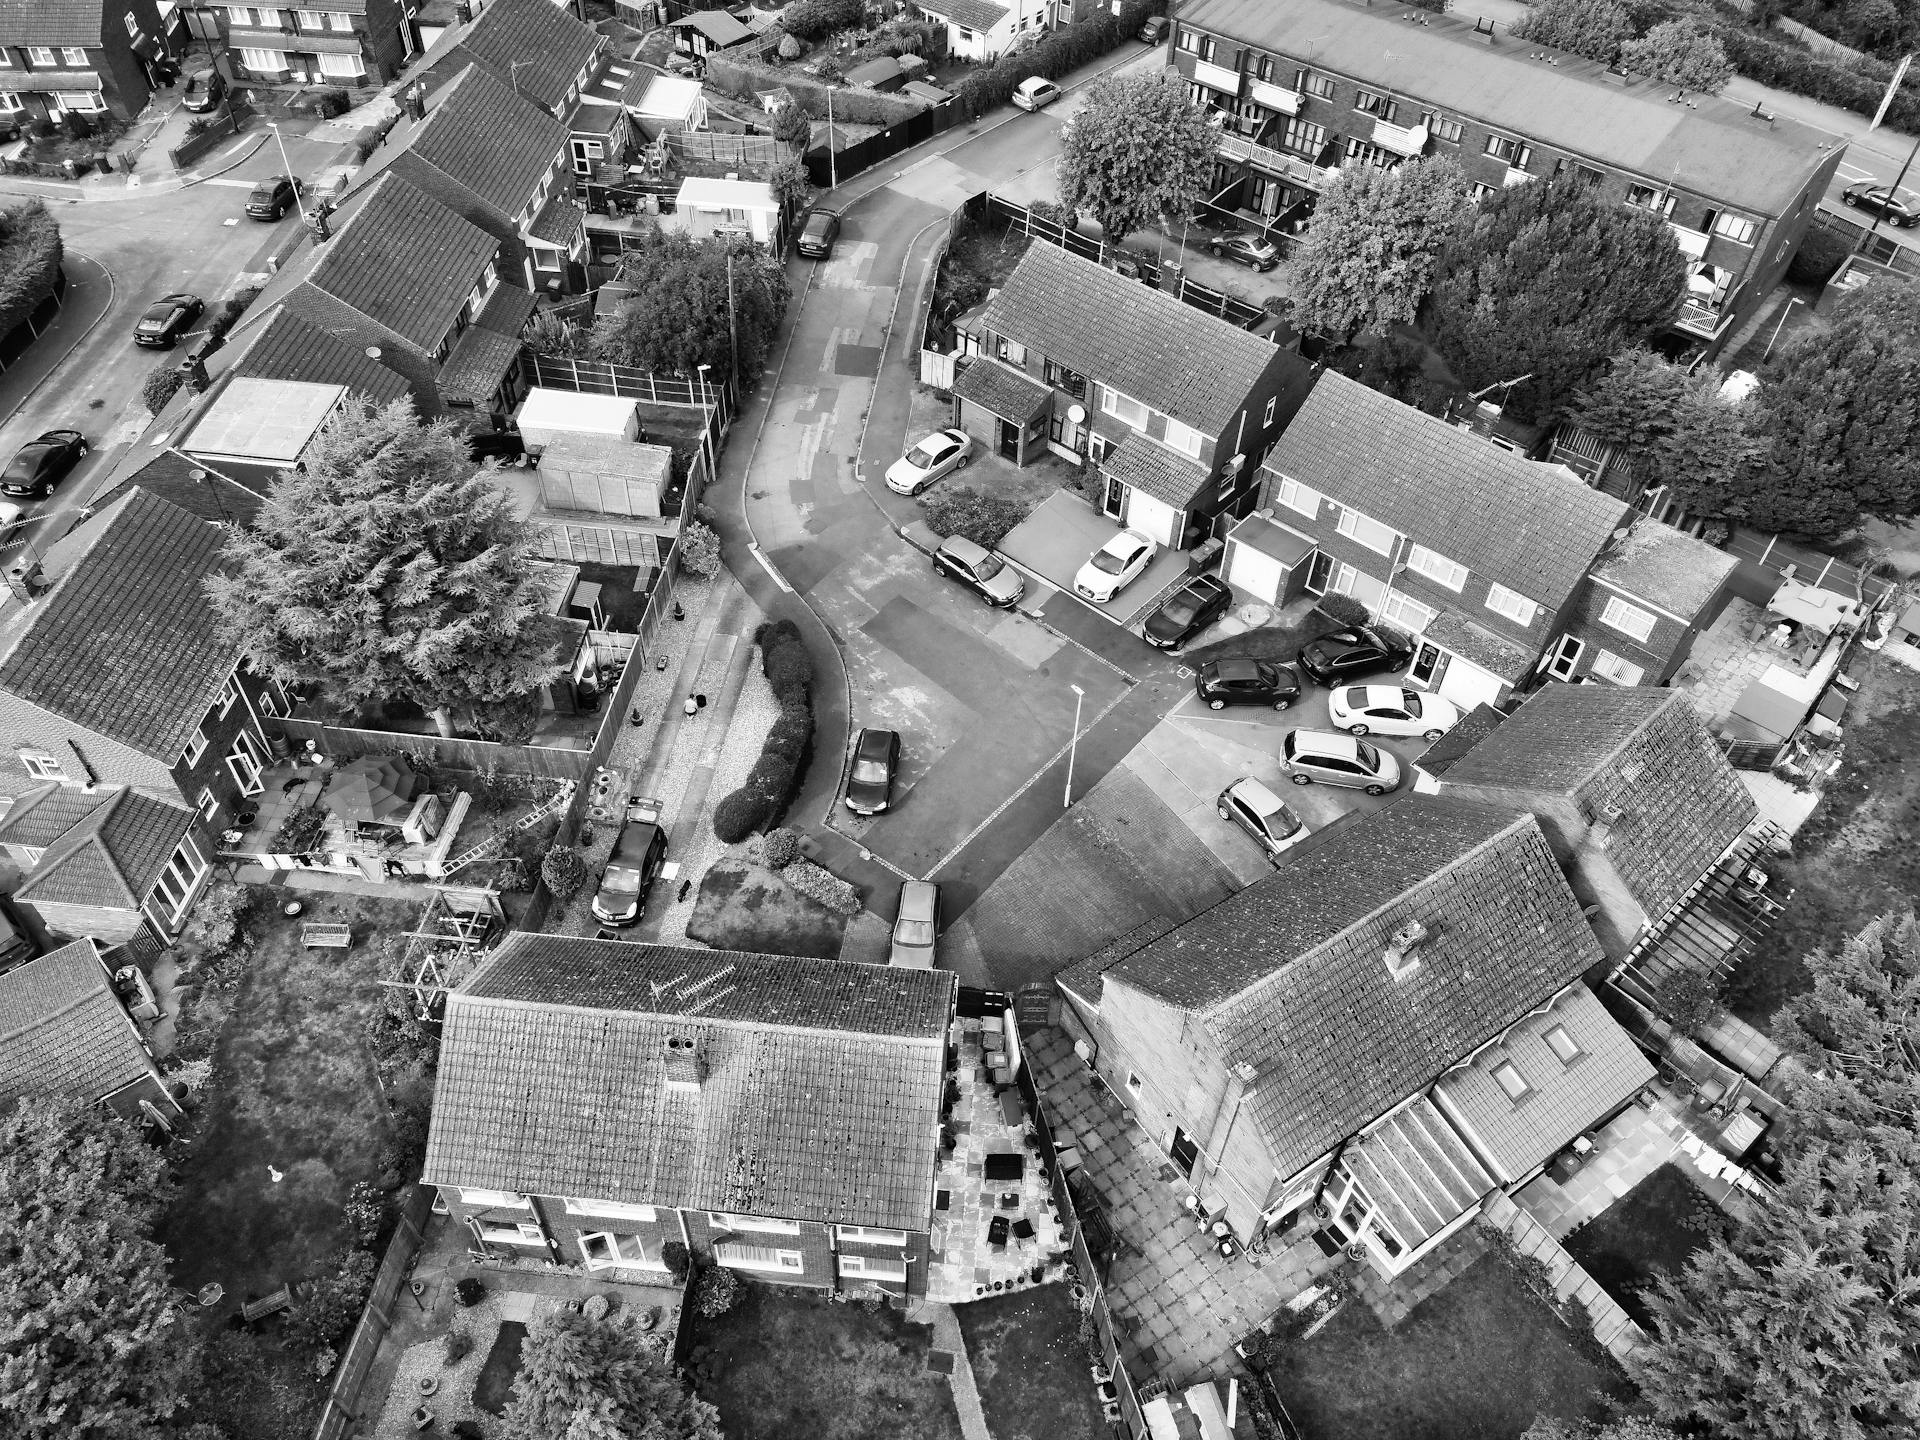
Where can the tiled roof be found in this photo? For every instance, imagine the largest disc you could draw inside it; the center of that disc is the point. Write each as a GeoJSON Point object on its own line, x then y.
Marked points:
{"type": "Point", "coordinates": [969, 14]}
{"type": "Point", "coordinates": [1087, 978]}
{"type": "Point", "coordinates": [543, 44]}
{"type": "Point", "coordinates": [558, 222]}
{"type": "Point", "coordinates": [1644, 752]}
{"type": "Point", "coordinates": [1710, 146]}
{"type": "Point", "coordinates": [174, 478]}
{"type": "Point", "coordinates": [488, 140]}
{"type": "Point", "coordinates": [1002, 390]}
{"type": "Point", "coordinates": [1532, 527]}
{"type": "Point", "coordinates": [1155, 470]}
{"type": "Point", "coordinates": [112, 857]}
{"type": "Point", "coordinates": [1290, 975]}
{"type": "Point", "coordinates": [1161, 351]}
{"type": "Point", "coordinates": [1468, 731]}
{"type": "Point", "coordinates": [1564, 1099]}
{"type": "Point", "coordinates": [63, 1032]}
{"type": "Point", "coordinates": [482, 356]}
{"type": "Point", "coordinates": [288, 348]}
{"type": "Point", "coordinates": [1478, 643]}
{"type": "Point", "coordinates": [51, 22]}
{"type": "Point", "coordinates": [1675, 571]}
{"type": "Point", "coordinates": [125, 642]}
{"type": "Point", "coordinates": [506, 311]}
{"type": "Point", "coordinates": [820, 1099]}
{"type": "Point", "coordinates": [716, 25]}
{"type": "Point", "coordinates": [41, 816]}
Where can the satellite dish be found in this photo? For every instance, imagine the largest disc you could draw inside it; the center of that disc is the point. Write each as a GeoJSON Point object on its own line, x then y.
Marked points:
{"type": "Point", "coordinates": [1077, 414]}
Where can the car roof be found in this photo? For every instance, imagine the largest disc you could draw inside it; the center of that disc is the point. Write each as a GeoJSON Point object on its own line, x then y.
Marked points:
{"type": "Point", "coordinates": [1202, 583]}
{"type": "Point", "coordinates": [1235, 667]}
{"type": "Point", "coordinates": [1257, 796]}
{"type": "Point", "coordinates": [1365, 696]}
{"type": "Point", "coordinates": [917, 899]}
{"type": "Point", "coordinates": [1037, 82]}
{"type": "Point", "coordinates": [961, 548]}
{"type": "Point", "coordinates": [875, 740]}
{"type": "Point", "coordinates": [1326, 742]}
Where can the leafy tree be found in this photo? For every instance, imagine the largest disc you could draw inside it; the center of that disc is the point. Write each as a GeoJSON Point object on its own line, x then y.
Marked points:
{"type": "Point", "coordinates": [790, 184]}
{"type": "Point", "coordinates": [1547, 280]}
{"type": "Point", "coordinates": [678, 316]}
{"type": "Point", "coordinates": [93, 1345]}
{"type": "Point", "coordinates": [1137, 149]}
{"type": "Point", "coordinates": [334, 1300]}
{"type": "Point", "coordinates": [564, 871]}
{"type": "Point", "coordinates": [1593, 28]}
{"type": "Point", "coordinates": [699, 550]}
{"type": "Point", "coordinates": [1369, 254]}
{"type": "Point", "coordinates": [30, 252]}
{"type": "Point", "coordinates": [1801, 1325]}
{"type": "Point", "coordinates": [1679, 52]}
{"type": "Point", "coordinates": [791, 123]}
{"type": "Point", "coordinates": [1674, 427]}
{"type": "Point", "coordinates": [387, 567]}
{"type": "Point", "coordinates": [1632, 1427]}
{"type": "Point", "coordinates": [161, 386]}
{"type": "Point", "coordinates": [584, 1379]}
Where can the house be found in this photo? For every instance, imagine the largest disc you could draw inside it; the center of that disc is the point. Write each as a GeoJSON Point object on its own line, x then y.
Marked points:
{"type": "Point", "coordinates": [984, 29]}
{"type": "Point", "coordinates": [127, 870]}
{"type": "Point", "coordinates": [1501, 568]}
{"type": "Point", "coordinates": [282, 346]}
{"type": "Point", "coordinates": [1304, 88]}
{"type": "Point", "coordinates": [1393, 1026]}
{"type": "Point", "coordinates": [710, 209]}
{"type": "Point", "coordinates": [1173, 407]}
{"type": "Point", "coordinates": [321, 42]}
{"type": "Point", "coordinates": [598, 1100]}
{"type": "Point", "coordinates": [708, 32]}
{"type": "Point", "coordinates": [79, 57]}
{"type": "Point", "coordinates": [65, 1031]}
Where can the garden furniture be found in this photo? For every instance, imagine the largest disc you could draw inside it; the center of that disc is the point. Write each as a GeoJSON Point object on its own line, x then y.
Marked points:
{"type": "Point", "coordinates": [256, 1310]}
{"type": "Point", "coordinates": [997, 1232]}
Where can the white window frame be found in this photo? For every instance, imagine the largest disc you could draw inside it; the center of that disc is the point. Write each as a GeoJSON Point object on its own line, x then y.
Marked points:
{"type": "Point", "coordinates": [309, 19]}
{"type": "Point", "coordinates": [1357, 526]}
{"type": "Point", "coordinates": [1738, 228]}
{"type": "Point", "coordinates": [1122, 407]}
{"type": "Point", "coordinates": [867, 1235]}
{"type": "Point", "coordinates": [1571, 1053]}
{"type": "Point", "coordinates": [1183, 438]}
{"type": "Point", "coordinates": [1517, 154]}
{"type": "Point", "coordinates": [1437, 568]}
{"type": "Point", "coordinates": [1659, 201]}
{"type": "Point", "coordinates": [1500, 1074]}
{"type": "Point", "coordinates": [526, 1232]}
{"type": "Point", "coordinates": [337, 20]}
{"type": "Point", "coordinates": [1628, 619]}
{"type": "Point", "coordinates": [737, 1257]}
{"type": "Point", "coordinates": [208, 804]}
{"type": "Point", "coordinates": [245, 764]}
{"type": "Point", "coordinates": [196, 747]}
{"type": "Point", "coordinates": [133, 27]}
{"type": "Point", "coordinates": [42, 766]}
{"type": "Point", "coordinates": [494, 1199]}
{"type": "Point", "coordinates": [182, 876]}
{"type": "Point", "coordinates": [1273, 404]}
{"type": "Point", "coordinates": [254, 59]}
{"type": "Point", "coordinates": [875, 1267]}
{"type": "Point", "coordinates": [342, 67]}
{"type": "Point", "coordinates": [240, 15]}
{"type": "Point", "coordinates": [609, 1209]}
{"type": "Point", "coordinates": [1409, 614]}
{"type": "Point", "coordinates": [1301, 499]}
{"type": "Point", "coordinates": [229, 694]}
{"type": "Point", "coordinates": [11, 102]}
{"type": "Point", "coordinates": [1609, 666]}
{"type": "Point", "coordinates": [1512, 605]}
{"type": "Point", "coordinates": [40, 54]}
{"type": "Point", "coordinates": [752, 1224]}
{"type": "Point", "coordinates": [74, 55]}
{"type": "Point", "coordinates": [617, 1245]}
{"type": "Point", "coordinates": [83, 102]}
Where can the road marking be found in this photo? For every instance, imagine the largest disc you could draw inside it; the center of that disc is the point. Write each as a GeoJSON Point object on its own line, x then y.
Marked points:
{"type": "Point", "coordinates": [767, 565]}
{"type": "Point", "coordinates": [231, 184]}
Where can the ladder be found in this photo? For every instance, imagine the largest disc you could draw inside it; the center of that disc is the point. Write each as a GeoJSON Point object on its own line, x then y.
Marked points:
{"type": "Point", "coordinates": [557, 801]}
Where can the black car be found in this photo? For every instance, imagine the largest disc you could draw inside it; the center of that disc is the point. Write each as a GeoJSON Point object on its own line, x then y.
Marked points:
{"type": "Point", "coordinates": [38, 465]}
{"type": "Point", "coordinates": [1880, 200]}
{"type": "Point", "coordinates": [632, 866]}
{"type": "Point", "coordinates": [273, 197]}
{"type": "Point", "coordinates": [876, 756]}
{"type": "Point", "coordinates": [1246, 682]}
{"type": "Point", "coordinates": [506, 446]}
{"type": "Point", "coordinates": [1358, 650]}
{"type": "Point", "coordinates": [1248, 250]}
{"type": "Point", "coordinates": [204, 90]}
{"type": "Point", "coordinates": [817, 234]}
{"type": "Point", "coordinates": [1188, 611]}
{"type": "Point", "coordinates": [167, 320]}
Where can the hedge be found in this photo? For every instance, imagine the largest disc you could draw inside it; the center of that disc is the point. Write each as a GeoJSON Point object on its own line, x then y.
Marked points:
{"type": "Point", "coordinates": [744, 81]}
{"type": "Point", "coordinates": [1063, 50]}
{"type": "Point", "coordinates": [1789, 67]}
{"type": "Point", "coordinates": [782, 848]}
{"type": "Point", "coordinates": [740, 814]}
{"type": "Point", "coordinates": [1820, 254]}
{"type": "Point", "coordinates": [30, 254]}
{"type": "Point", "coordinates": [822, 887]}
{"type": "Point", "coordinates": [775, 778]}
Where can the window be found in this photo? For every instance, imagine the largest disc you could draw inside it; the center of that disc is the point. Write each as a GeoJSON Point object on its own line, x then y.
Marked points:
{"type": "Point", "coordinates": [1273, 404]}
{"type": "Point", "coordinates": [1511, 1080]}
{"type": "Point", "coordinates": [133, 28]}
{"type": "Point", "coordinates": [178, 881]}
{"type": "Point", "coordinates": [41, 765]}
{"type": "Point", "coordinates": [524, 1233]}
{"type": "Point", "coordinates": [244, 762]}
{"type": "Point", "coordinates": [1369, 532]}
{"type": "Point", "coordinates": [196, 747]}
{"type": "Point", "coordinates": [1515, 152]}
{"type": "Point", "coordinates": [338, 21]}
{"type": "Point", "coordinates": [40, 54]}
{"type": "Point", "coordinates": [1308, 83]}
{"type": "Point", "coordinates": [1365, 152]}
{"type": "Point", "coordinates": [1183, 438]}
{"type": "Point", "coordinates": [757, 1257]}
{"type": "Point", "coordinates": [1562, 1044]}
{"type": "Point", "coordinates": [262, 59]}
{"type": "Point", "coordinates": [754, 1223]}
{"type": "Point", "coordinates": [208, 805]}
{"type": "Point", "coordinates": [1266, 69]}
{"type": "Point", "coordinates": [1440, 127]}
{"type": "Point", "coordinates": [1409, 614]}
{"type": "Point", "coordinates": [966, 37]}
{"type": "Point", "coordinates": [873, 1268]}
{"type": "Point", "coordinates": [1736, 228]}
{"type": "Point", "coordinates": [1135, 1083]}
{"type": "Point", "coordinates": [240, 15]}
{"type": "Point", "coordinates": [1205, 46]}
{"type": "Point", "coordinates": [1583, 172]}
{"type": "Point", "coordinates": [229, 693]}
{"type": "Point", "coordinates": [604, 1250]}
{"type": "Point", "coordinates": [309, 19]}
{"type": "Point", "coordinates": [1512, 604]}
{"type": "Point", "coordinates": [85, 101]}
{"type": "Point", "coordinates": [867, 1235]}
{"type": "Point", "coordinates": [1609, 666]}
{"type": "Point", "coordinates": [1303, 137]}
{"type": "Point", "coordinates": [1437, 567]}
{"type": "Point", "coordinates": [1123, 408]}
{"type": "Point", "coordinates": [612, 1208]}
{"type": "Point", "coordinates": [1371, 102]}
{"type": "Point", "coordinates": [495, 1199]}
{"type": "Point", "coordinates": [1011, 353]}
{"type": "Point", "coordinates": [1645, 197]}
{"type": "Point", "coordinates": [1627, 619]}
{"type": "Point", "coordinates": [343, 67]}
{"type": "Point", "coordinates": [1481, 192]}
{"type": "Point", "coordinates": [1295, 496]}
{"type": "Point", "coordinates": [74, 55]}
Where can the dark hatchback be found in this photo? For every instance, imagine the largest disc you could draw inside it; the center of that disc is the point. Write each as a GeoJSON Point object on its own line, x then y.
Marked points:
{"type": "Point", "coordinates": [876, 758]}
{"type": "Point", "coordinates": [817, 234]}
{"type": "Point", "coordinates": [38, 465]}
{"type": "Point", "coordinates": [632, 867]}
{"type": "Point", "coordinates": [167, 320]}
{"type": "Point", "coordinates": [273, 197]}
{"type": "Point", "coordinates": [1186, 612]}
{"type": "Point", "coordinates": [1353, 652]}
{"type": "Point", "coordinates": [1221, 683]}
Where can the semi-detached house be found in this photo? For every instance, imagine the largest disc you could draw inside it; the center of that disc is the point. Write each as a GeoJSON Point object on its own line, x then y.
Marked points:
{"type": "Point", "coordinates": [81, 57]}
{"type": "Point", "coordinates": [320, 42]}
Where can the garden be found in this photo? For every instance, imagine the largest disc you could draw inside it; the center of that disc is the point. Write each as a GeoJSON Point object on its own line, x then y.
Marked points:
{"type": "Point", "coordinates": [1650, 1231]}
{"type": "Point", "coordinates": [1031, 1366]}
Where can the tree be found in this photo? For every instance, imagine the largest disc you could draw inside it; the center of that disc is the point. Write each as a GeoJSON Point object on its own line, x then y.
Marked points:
{"type": "Point", "coordinates": [1633, 1427]}
{"type": "Point", "coordinates": [1593, 28]}
{"type": "Point", "coordinates": [387, 568]}
{"type": "Point", "coordinates": [1679, 52]}
{"type": "Point", "coordinates": [1137, 149]}
{"type": "Point", "coordinates": [1369, 254]}
{"type": "Point", "coordinates": [791, 124]}
{"type": "Point", "coordinates": [678, 316]}
{"type": "Point", "coordinates": [30, 252]}
{"type": "Point", "coordinates": [790, 185]}
{"type": "Point", "coordinates": [699, 550]}
{"type": "Point", "coordinates": [584, 1379]}
{"type": "Point", "coordinates": [1546, 280]}
{"type": "Point", "coordinates": [1674, 427]}
{"type": "Point", "coordinates": [564, 871]}
{"type": "Point", "coordinates": [1802, 1324]}
{"type": "Point", "coordinates": [161, 386]}
{"type": "Point", "coordinates": [94, 1344]}
{"type": "Point", "coordinates": [1840, 410]}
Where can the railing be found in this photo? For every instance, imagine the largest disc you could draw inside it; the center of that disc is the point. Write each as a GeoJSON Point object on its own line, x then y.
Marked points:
{"type": "Point", "coordinates": [340, 1416]}
{"type": "Point", "coordinates": [602, 377]}
{"type": "Point", "coordinates": [1276, 162]}
{"type": "Point", "coordinates": [1706, 321]}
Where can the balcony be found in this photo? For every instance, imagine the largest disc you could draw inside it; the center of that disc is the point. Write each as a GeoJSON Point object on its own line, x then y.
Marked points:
{"type": "Point", "coordinates": [1273, 97]}
{"type": "Point", "coordinates": [1217, 77]}
{"type": "Point", "coordinates": [1401, 139]}
{"type": "Point", "coordinates": [1702, 319]}
{"type": "Point", "coordinates": [1692, 243]}
{"type": "Point", "coordinates": [1275, 162]}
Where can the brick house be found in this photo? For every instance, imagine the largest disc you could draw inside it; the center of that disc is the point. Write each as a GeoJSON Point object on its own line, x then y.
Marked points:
{"type": "Point", "coordinates": [777, 1116]}
{"type": "Point", "coordinates": [1304, 88]}
{"type": "Point", "coordinates": [1173, 407]}
{"type": "Point", "coordinates": [84, 57]}
{"type": "Point", "coordinates": [1394, 1026]}
{"type": "Point", "coordinates": [320, 42]}
{"type": "Point", "coordinates": [983, 29]}
{"type": "Point", "coordinates": [1503, 569]}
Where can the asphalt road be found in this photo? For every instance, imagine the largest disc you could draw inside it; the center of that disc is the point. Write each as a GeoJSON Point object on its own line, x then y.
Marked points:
{"type": "Point", "coordinates": [1861, 166]}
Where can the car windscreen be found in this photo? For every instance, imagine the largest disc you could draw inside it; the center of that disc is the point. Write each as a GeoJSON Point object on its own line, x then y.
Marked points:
{"type": "Point", "coordinates": [157, 313]}
{"type": "Point", "coordinates": [914, 932]}
{"type": "Point", "coordinates": [870, 772]}
{"type": "Point", "coordinates": [1108, 563]}
{"type": "Point", "coordinates": [987, 567]}
{"type": "Point", "coordinates": [924, 457]}
{"type": "Point", "coordinates": [1369, 756]}
{"type": "Point", "coordinates": [1181, 608]}
{"type": "Point", "coordinates": [1410, 702]}
{"type": "Point", "coordinates": [1281, 823]}
{"type": "Point", "coordinates": [622, 880]}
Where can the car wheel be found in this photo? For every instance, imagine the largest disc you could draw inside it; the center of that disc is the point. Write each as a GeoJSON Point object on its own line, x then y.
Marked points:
{"type": "Point", "coordinates": [1281, 704]}
{"type": "Point", "coordinates": [961, 463]}
{"type": "Point", "coordinates": [1432, 735]}
{"type": "Point", "coordinates": [1223, 812]}
{"type": "Point", "coordinates": [1376, 789]}
{"type": "Point", "coordinates": [1216, 704]}
{"type": "Point", "coordinates": [1356, 729]}
{"type": "Point", "coordinates": [1303, 779]}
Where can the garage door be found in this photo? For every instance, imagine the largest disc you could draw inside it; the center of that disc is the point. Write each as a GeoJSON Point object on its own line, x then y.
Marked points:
{"type": "Point", "coordinates": [1254, 571]}
{"type": "Point", "coordinates": [1467, 685]}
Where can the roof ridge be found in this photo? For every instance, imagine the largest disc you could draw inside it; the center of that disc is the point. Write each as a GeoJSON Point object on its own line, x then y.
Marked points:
{"type": "Point", "coordinates": [736, 1022]}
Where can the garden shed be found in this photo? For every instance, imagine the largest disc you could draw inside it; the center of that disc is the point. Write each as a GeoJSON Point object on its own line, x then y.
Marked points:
{"type": "Point", "coordinates": [605, 475]}
{"type": "Point", "coordinates": [548, 414]}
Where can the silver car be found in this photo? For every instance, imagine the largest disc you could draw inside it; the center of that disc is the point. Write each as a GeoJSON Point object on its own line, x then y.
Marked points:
{"type": "Point", "coordinates": [916, 925]}
{"type": "Point", "coordinates": [1335, 759]}
{"type": "Point", "coordinates": [1263, 815]}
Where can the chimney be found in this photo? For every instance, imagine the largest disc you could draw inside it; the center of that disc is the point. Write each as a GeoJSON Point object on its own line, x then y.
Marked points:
{"type": "Point", "coordinates": [1606, 815]}
{"type": "Point", "coordinates": [317, 218]}
{"type": "Point", "coordinates": [416, 100]}
{"type": "Point", "coordinates": [463, 12]}
{"type": "Point", "coordinates": [193, 373]}
{"type": "Point", "coordinates": [26, 581]}
{"type": "Point", "coordinates": [685, 1068]}
{"type": "Point", "coordinates": [1405, 948]}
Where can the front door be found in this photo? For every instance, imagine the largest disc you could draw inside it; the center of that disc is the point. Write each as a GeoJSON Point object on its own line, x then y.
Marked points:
{"type": "Point", "coordinates": [1566, 658]}
{"type": "Point", "coordinates": [1424, 663]}
{"type": "Point", "coordinates": [1009, 439]}
{"type": "Point", "coordinates": [1113, 501]}
{"type": "Point", "coordinates": [1319, 573]}
{"type": "Point", "coordinates": [586, 154]}
{"type": "Point", "coordinates": [1184, 1151]}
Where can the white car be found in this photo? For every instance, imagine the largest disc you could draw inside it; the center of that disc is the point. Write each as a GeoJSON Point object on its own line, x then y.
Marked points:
{"type": "Point", "coordinates": [941, 453]}
{"type": "Point", "coordinates": [1114, 566]}
{"type": "Point", "coordinates": [1391, 710]}
{"type": "Point", "coordinates": [1034, 93]}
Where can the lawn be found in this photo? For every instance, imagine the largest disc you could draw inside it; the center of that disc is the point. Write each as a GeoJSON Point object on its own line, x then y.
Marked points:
{"type": "Point", "coordinates": [790, 1365]}
{"type": "Point", "coordinates": [743, 906]}
{"type": "Point", "coordinates": [1478, 1361]}
{"type": "Point", "coordinates": [1280, 641]}
{"type": "Point", "coordinates": [1030, 1366]}
{"type": "Point", "coordinates": [1854, 858]}
{"type": "Point", "coordinates": [1651, 1230]}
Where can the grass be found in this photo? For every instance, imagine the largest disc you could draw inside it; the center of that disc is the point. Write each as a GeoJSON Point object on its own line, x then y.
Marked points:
{"type": "Point", "coordinates": [493, 1388]}
{"type": "Point", "coordinates": [1478, 1361]}
{"type": "Point", "coordinates": [789, 1365]}
{"type": "Point", "coordinates": [1279, 641]}
{"type": "Point", "coordinates": [1651, 1231]}
{"type": "Point", "coordinates": [1031, 1367]}
{"type": "Point", "coordinates": [743, 906]}
{"type": "Point", "coordinates": [1853, 860]}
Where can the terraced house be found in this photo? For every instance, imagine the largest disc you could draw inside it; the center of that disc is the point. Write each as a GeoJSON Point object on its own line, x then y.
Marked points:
{"type": "Point", "coordinates": [318, 42]}
{"type": "Point", "coordinates": [597, 1101]}
{"type": "Point", "coordinates": [1304, 88]}
{"type": "Point", "coordinates": [79, 57]}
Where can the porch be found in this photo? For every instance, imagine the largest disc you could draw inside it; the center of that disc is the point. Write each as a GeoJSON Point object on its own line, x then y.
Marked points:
{"type": "Point", "coordinates": [1052, 543]}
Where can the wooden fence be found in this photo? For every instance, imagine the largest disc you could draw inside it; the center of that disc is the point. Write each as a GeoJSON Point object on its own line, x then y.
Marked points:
{"type": "Point", "coordinates": [1612, 1326]}
{"type": "Point", "coordinates": [756, 150]}
{"type": "Point", "coordinates": [603, 377]}
{"type": "Point", "coordinates": [342, 1412]}
{"type": "Point", "coordinates": [342, 742]}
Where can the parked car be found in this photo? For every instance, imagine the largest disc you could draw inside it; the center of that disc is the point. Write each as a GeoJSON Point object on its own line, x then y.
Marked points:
{"type": "Point", "coordinates": [13, 519]}
{"type": "Point", "coordinates": [273, 197]}
{"type": "Point", "coordinates": [1880, 200]}
{"type": "Point", "coordinates": [916, 925]}
{"type": "Point", "coordinates": [1355, 651]}
{"type": "Point", "coordinates": [167, 320]}
{"type": "Point", "coordinates": [1114, 566]}
{"type": "Point", "coordinates": [817, 234]}
{"type": "Point", "coordinates": [1188, 611]}
{"type": "Point", "coordinates": [980, 570]}
{"type": "Point", "coordinates": [1236, 681]}
{"type": "Point", "coordinates": [1249, 250]}
{"type": "Point", "coordinates": [1336, 759]}
{"type": "Point", "coordinates": [633, 865]}
{"type": "Point", "coordinates": [506, 446]}
{"type": "Point", "coordinates": [1263, 815]}
{"type": "Point", "coordinates": [1036, 94]}
{"type": "Point", "coordinates": [203, 90]}
{"type": "Point", "coordinates": [941, 453]}
{"type": "Point", "coordinates": [42, 462]}
{"type": "Point", "coordinates": [1391, 710]}
{"type": "Point", "coordinates": [1154, 30]}
{"type": "Point", "coordinates": [876, 759]}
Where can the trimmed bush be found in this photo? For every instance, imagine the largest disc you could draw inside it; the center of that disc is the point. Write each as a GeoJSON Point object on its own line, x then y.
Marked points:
{"type": "Point", "coordinates": [782, 848]}
{"type": "Point", "coordinates": [459, 1346]}
{"type": "Point", "coordinates": [822, 887]}
{"type": "Point", "coordinates": [674, 1256]}
{"type": "Point", "coordinates": [772, 775]}
{"type": "Point", "coordinates": [333, 1301]}
{"type": "Point", "coordinates": [78, 126]}
{"type": "Point", "coordinates": [564, 871]}
{"type": "Point", "coordinates": [740, 814]}
{"type": "Point", "coordinates": [1344, 610]}
{"type": "Point", "coordinates": [699, 550]}
{"type": "Point", "coordinates": [716, 1292]}
{"type": "Point", "coordinates": [1820, 254]}
{"type": "Point", "coordinates": [160, 388]}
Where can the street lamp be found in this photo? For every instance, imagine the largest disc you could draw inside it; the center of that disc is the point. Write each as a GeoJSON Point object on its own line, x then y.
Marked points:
{"type": "Point", "coordinates": [1795, 300]}
{"type": "Point", "coordinates": [292, 180]}
{"type": "Point", "coordinates": [706, 386]}
{"type": "Point", "coordinates": [1073, 747]}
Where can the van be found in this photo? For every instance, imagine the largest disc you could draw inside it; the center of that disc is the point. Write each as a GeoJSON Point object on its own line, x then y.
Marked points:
{"type": "Point", "coordinates": [633, 865]}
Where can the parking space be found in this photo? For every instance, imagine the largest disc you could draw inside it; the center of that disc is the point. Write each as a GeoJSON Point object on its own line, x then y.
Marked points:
{"type": "Point", "coordinates": [1059, 537]}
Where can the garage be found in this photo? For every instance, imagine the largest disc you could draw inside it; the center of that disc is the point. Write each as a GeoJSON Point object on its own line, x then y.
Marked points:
{"type": "Point", "coordinates": [1264, 559]}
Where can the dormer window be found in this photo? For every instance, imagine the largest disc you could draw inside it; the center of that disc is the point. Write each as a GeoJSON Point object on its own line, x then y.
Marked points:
{"type": "Point", "coordinates": [1509, 1079]}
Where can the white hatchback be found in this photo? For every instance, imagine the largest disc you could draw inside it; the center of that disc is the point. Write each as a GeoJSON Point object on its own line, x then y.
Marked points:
{"type": "Point", "coordinates": [1114, 566]}
{"type": "Point", "coordinates": [1391, 710]}
{"type": "Point", "coordinates": [1035, 93]}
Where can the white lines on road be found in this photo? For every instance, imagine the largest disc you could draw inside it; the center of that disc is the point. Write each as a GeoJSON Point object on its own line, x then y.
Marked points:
{"type": "Point", "coordinates": [767, 565]}
{"type": "Point", "coordinates": [230, 184]}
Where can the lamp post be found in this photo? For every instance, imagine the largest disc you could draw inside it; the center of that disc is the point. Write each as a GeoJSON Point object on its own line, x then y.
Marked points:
{"type": "Point", "coordinates": [1795, 300]}
{"type": "Point", "coordinates": [287, 164]}
{"type": "Point", "coordinates": [1073, 747]}
{"type": "Point", "coordinates": [706, 386]}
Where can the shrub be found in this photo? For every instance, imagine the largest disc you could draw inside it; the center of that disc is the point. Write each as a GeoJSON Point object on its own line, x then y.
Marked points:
{"type": "Point", "coordinates": [301, 832]}
{"type": "Point", "coordinates": [812, 20]}
{"type": "Point", "coordinates": [790, 673]}
{"type": "Point", "coordinates": [831, 71]}
{"type": "Point", "coordinates": [40, 127]}
{"type": "Point", "coordinates": [365, 1212]}
{"type": "Point", "coordinates": [791, 125]}
{"type": "Point", "coordinates": [699, 550]}
{"type": "Point", "coordinates": [333, 1301]}
{"type": "Point", "coordinates": [564, 871]}
{"type": "Point", "coordinates": [782, 848]}
{"type": "Point", "coordinates": [1066, 48]}
{"type": "Point", "coordinates": [469, 1292]}
{"type": "Point", "coordinates": [30, 252]}
{"type": "Point", "coordinates": [791, 734]}
{"type": "Point", "coordinates": [822, 887]}
{"type": "Point", "coordinates": [78, 126]}
{"type": "Point", "coordinates": [333, 102]}
{"type": "Point", "coordinates": [1820, 254]}
{"type": "Point", "coordinates": [1689, 1001]}
{"type": "Point", "coordinates": [459, 1346]}
{"type": "Point", "coordinates": [962, 510]}
{"type": "Point", "coordinates": [1344, 610]}
{"type": "Point", "coordinates": [162, 385]}
{"type": "Point", "coordinates": [740, 814]}
{"type": "Point", "coordinates": [218, 922]}
{"type": "Point", "coordinates": [772, 775]}
{"type": "Point", "coordinates": [197, 126]}
{"type": "Point", "coordinates": [790, 49]}
{"type": "Point", "coordinates": [716, 1291]}
{"type": "Point", "coordinates": [674, 1256]}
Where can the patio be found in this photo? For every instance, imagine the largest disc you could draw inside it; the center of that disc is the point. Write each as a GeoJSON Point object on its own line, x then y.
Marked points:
{"type": "Point", "coordinates": [1052, 543]}
{"type": "Point", "coordinates": [386, 851]}
{"type": "Point", "coordinates": [1740, 647]}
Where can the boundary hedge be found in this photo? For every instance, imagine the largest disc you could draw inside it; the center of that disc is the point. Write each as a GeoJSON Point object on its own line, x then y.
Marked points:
{"type": "Point", "coordinates": [762, 801]}
{"type": "Point", "coordinates": [30, 253]}
{"type": "Point", "coordinates": [1790, 67]}
{"type": "Point", "coordinates": [1063, 50]}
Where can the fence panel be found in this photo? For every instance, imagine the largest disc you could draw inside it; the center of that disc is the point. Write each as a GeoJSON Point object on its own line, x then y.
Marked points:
{"type": "Point", "coordinates": [340, 742]}
{"type": "Point", "coordinates": [344, 1401]}
{"type": "Point", "coordinates": [603, 377]}
{"type": "Point", "coordinates": [728, 149]}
